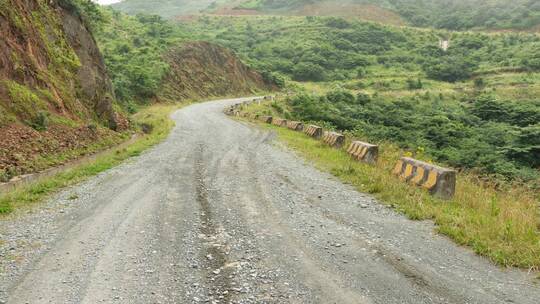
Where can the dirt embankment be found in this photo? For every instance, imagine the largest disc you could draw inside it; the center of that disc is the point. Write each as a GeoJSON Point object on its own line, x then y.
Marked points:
{"type": "Point", "coordinates": [55, 94]}
{"type": "Point", "coordinates": [202, 69]}
{"type": "Point", "coordinates": [347, 9]}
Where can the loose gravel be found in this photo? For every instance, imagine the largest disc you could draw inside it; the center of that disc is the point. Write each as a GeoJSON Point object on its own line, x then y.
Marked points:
{"type": "Point", "coordinates": [221, 213]}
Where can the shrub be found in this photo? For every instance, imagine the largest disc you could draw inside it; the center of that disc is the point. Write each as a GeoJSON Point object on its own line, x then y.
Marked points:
{"type": "Point", "coordinates": [339, 23]}
{"type": "Point", "coordinates": [273, 78]}
{"type": "Point", "coordinates": [533, 62]}
{"type": "Point", "coordinates": [92, 127]}
{"type": "Point", "coordinates": [7, 174]}
{"type": "Point", "coordinates": [413, 84]}
{"type": "Point", "coordinates": [41, 121]}
{"type": "Point", "coordinates": [147, 128]}
{"type": "Point", "coordinates": [4, 176]}
{"type": "Point", "coordinates": [306, 71]}
{"type": "Point", "coordinates": [362, 98]}
{"type": "Point", "coordinates": [450, 69]}
{"type": "Point", "coordinates": [479, 83]}
{"type": "Point", "coordinates": [340, 95]}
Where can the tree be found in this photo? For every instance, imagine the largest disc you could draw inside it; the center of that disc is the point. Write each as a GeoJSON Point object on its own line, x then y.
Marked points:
{"type": "Point", "coordinates": [526, 149]}
{"type": "Point", "coordinates": [488, 108]}
{"type": "Point", "coordinates": [340, 95]}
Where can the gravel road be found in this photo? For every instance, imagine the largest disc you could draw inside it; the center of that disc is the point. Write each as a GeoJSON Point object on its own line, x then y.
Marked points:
{"type": "Point", "coordinates": [220, 213]}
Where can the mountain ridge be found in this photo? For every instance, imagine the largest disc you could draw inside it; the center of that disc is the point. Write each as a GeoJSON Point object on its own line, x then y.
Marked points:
{"type": "Point", "coordinates": [452, 15]}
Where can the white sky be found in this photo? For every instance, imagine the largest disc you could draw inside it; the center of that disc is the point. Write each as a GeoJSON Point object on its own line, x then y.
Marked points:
{"type": "Point", "coordinates": [105, 2]}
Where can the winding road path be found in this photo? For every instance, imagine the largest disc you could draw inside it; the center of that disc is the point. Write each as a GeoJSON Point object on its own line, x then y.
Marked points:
{"type": "Point", "coordinates": [220, 213]}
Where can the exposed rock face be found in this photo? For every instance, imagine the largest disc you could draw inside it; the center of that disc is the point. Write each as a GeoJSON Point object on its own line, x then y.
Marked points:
{"type": "Point", "coordinates": [202, 69]}
{"type": "Point", "coordinates": [55, 94]}
{"type": "Point", "coordinates": [50, 63]}
{"type": "Point", "coordinates": [96, 87]}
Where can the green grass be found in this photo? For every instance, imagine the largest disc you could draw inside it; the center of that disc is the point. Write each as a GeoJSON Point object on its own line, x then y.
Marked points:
{"type": "Point", "coordinates": [156, 115]}
{"type": "Point", "coordinates": [24, 102]}
{"type": "Point", "coordinates": [501, 225]}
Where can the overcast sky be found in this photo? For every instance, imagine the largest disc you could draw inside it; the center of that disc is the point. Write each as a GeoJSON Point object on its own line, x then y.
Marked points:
{"type": "Point", "coordinates": [105, 2]}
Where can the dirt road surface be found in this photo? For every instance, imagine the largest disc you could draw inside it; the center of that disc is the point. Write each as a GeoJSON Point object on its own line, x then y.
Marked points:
{"type": "Point", "coordinates": [220, 213]}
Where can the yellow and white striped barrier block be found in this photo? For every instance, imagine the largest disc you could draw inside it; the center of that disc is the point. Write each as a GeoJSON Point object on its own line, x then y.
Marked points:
{"type": "Point", "coordinates": [295, 125]}
{"type": "Point", "coordinates": [314, 131]}
{"type": "Point", "coordinates": [279, 122]}
{"type": "Point", "coordinates": [334, 139]}
{"type": "Point", "coordinates": [439, 181]}
{"type": "Point", "coordinates": [266, 119]}
{"type": "Point", "coordinates": [365, 152]}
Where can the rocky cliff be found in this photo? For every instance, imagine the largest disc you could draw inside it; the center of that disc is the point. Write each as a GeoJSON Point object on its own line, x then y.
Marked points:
{"type": "Point", "coordinates": [54, 89]}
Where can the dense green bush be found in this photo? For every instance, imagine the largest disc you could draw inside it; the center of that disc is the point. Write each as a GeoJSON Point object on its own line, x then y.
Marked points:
{"type": "Point", "coordinates": [86, 9]}
{"type": "Point", "coordinates": [449, 68]}
{"type": "Point", "coordinates": [273, 78]}
{"type": "Point", "coordinates": [133, 47]}
{"type": "Point", "coordinates": [307, 71]}
{"type": "Point", "coordinates": [533, 61]}
{"type": "Point", "coordinates": [41, 121]}
{"type": "Point", "coordinates": [494, 136]}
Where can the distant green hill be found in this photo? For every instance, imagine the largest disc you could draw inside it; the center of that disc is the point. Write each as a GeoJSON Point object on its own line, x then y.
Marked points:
{"type": "Point", "coordinates": [445, 14]}
{"type": "Point", "coordinates": [164, 8]}
{"type": "Point", "coordinates": [448, 14]}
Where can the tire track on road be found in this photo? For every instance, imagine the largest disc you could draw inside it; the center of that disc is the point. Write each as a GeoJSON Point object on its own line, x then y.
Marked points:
{"type": "Point", "coordinates": [214, 254]}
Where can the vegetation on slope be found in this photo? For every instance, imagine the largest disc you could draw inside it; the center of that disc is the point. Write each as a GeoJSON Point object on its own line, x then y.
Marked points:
{"type": "Point", "coordinates": [157, 122]}
{"type": "Point", "coordinates": [133, 47]}
{"type": "Point", "coordinates": [487, 134]}
{"type": "Point", "coordinates": [328, 48]}
{"type": "Point", "coordinates": [443, 14]}
{"type": "Point", "coordinates": [146, 59]}
{"type": "Point", "coordinates": [56, 100]}
{"type": "Point", "coordinates": [453, 14]}
{"type": "Point", "coordinates": [473, 106]}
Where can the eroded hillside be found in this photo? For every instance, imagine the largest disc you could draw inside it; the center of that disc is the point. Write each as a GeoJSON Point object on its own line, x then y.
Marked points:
{"type": "Point", "coordinates": [202, 69]}
{"type": "Point", "coordinates": [150, 58]}
{"type": "Point", "coordinates": [55, 95]}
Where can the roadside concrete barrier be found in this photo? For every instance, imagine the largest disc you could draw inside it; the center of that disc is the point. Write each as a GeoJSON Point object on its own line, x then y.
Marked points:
{"type": "Point", "coordinates": [439, 181]}
{"type": "Point", "coordinates": [295, 125]}
{"type": "Point", "coordinates": [266, 119]}
{"type": "Point", "coordinates": [279, 122]}
{"type": "Point", "coordinates": [334, 139]}
{"type": "Point", "coordinates": [314, 131]}
{"type": "Point", "coordinates": [233, 112]}
{"type": "Point", "coordinates": [365, 152]}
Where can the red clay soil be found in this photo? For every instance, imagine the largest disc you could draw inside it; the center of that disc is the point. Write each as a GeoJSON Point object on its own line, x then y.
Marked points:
{"type": "Point", "coordinates": [201, 69]}
{"type": "Point", "coordinates": [362, 11]}
{"type": "Point", "coordinates": [366, 12]}
{"type": "Point", "coordinates": [24, 150]}
{"type": "Point", "coordinates": [228, 11]}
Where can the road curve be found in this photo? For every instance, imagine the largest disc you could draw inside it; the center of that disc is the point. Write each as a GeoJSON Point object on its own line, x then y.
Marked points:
{"type": "Point", "coordinates": [220, 213]}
